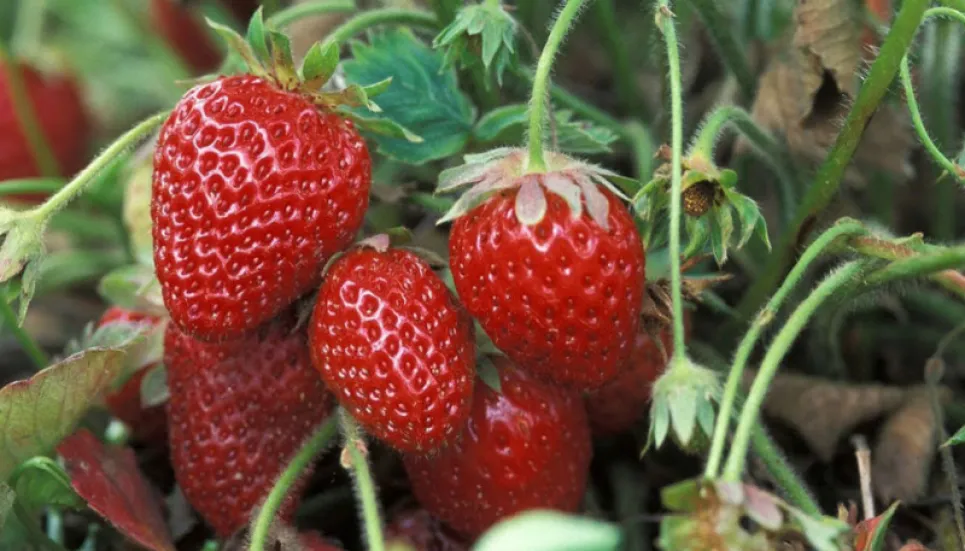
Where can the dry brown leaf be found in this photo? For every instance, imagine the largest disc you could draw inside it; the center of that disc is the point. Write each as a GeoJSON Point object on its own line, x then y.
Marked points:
{"type": "Point", "coordinates": [824, 411]}
{"type": "Point", "coordinates": [809, 84]}
{"type": "Point", "coordinates": [903, 456]}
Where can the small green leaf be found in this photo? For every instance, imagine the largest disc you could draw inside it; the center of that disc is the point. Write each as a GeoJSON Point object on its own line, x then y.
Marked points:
{"type": "Point", "coordinates": [282, 62]}
{"type": "Point", "coordinates": [660, 413]}
{"type": "Point", "coordinates": [698, 231]}
{"type": "Point", "coordinates": [36, 414]}
{"type": "Point", "coordinates": [133, 287]}
{"type": "Point", "coordinates": [40, 481]}
{"type": "Point", "coordinates": [748, 214]}
{"type": "Point", "coordinates": [239, 46]}
{"type": "Point", "coordinates": [822, 533]}
{"type": "Point", "coordinates": [681, 497]}
{"type": "Point", "coordinates": [154, 387]}
{"type": "Point", "coordinates": [721, 228]}
{"type": "Point", "coordinates": [683, 414]}
{"type": "Point", "coordinates": [385, 127]}
{"type": "Point", "coordinates": [424, 98]}
{"type": "Point", "coordinates": [256, 36]}
{"type": "Point", "coordinates": [496, 32]}
{"type": "Point", "coordinates": [320, 63]}
{"type": "Point", "coordinates": [537, 530]}
{"type": "Point", "coordinates": [706, 416]}
{"type": "Point", "coordinates": [956, 438]}
{"type": "Point", "coordinates": [489, 374]}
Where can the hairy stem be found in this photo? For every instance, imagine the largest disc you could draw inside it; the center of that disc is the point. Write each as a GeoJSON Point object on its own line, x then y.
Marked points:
{"type": "Point", "coordinates": [297, 12]}
{"type": "Point", "coordinates": [763, 319]}
{"type": "Point", "coordinates": [60, 199]}
{"type": "Point", "coordinates": [354, 458]}
{"type": "Point", "coordinates": [538, 99]}
{"type": "Point", "coordinates": [843, 276]}
{"type": "Point", "coordinates": [952, 258]}
{"type": "Point", "coordinates": [384, 16]}
{"type": "Point", "coordinates": [828, 179]}
{"type": "Point", "coordinates": [269, 510]}
{"type": "Point", "coordinates": [731, 51]}
{"type": "Point", "coordinates": [919, 125]}
{"type": "Point", "coordinates": [666, 25]}
{"type": "Point", "coordinates": [764, 145]}
{"type": "Point", "coordinates": [940, 51]}
{"type": "Point", "coordinates": [777, 466]}
{"type": "Point", "coordinates": [586, 110]}
{"type": "Point", "coordinates": [26, 116]}
{"type": "Point", "coordinates": [30, 346]}
{"type": "Point", "coordinates": [951, 279]}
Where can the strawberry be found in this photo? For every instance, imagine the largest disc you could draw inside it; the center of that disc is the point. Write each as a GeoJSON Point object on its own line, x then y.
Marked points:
{"type": "Point", "coordinates": [422, 532]}
{"type": "Point", "coordinates": [149, 424]}
{"type": "Point", "coordinates": [312, 541]}
{"type": "Point", "coordinates": [184, 31]}
{"type": "Point", "coordinates": [555, 279]}
{"type": "Point", "coordinates": [525, 447]}
{"type": "Point", "coordinates": [238, 412]}
{"type": "Point", "coordinates": [394, 347]}
{"type": "Point", "coordinates": [617, 405]}
{"type": "Point", "coordinates": [254, 188]}
{"type": "Point", "coordinates": [60, 113]}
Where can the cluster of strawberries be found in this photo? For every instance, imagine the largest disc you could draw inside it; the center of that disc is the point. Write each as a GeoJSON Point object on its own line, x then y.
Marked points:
{"type": "Point", "coordinates": [277, 315]}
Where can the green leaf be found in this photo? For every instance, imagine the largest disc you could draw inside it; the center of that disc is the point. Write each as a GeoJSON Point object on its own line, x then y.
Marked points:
{"type": "Point", "coordinates": [507, 124]}
{"type": "Point", "coordinates": [956, 438]}
{"type": "Point", "coordinates": [239, 46]}
{"type": "Point", "coordinates": [537, 530]}
{"type": "Point", "coordinates": [661, 421]}
{"type": "Point", "coordinates": [133, 287]}
{"type": "Point", "coordinates": [320, 63]}
{"type": "Point", "coordinates": [496, 43]}
{"type": "Point", "coordinates": [681, 496]}
{"type": "Point", "coordinates": [822, 533]}
{"type": "Point", "coordinates": [256, 36]}
{"type": "Point", "coordinates": [281, 55]}
{"type": "Point", "coordinates": [154, 387]}
{"type": "Point", "coordinates": [748, 214]}
{"type": "Point", "coordinates": [424, 98]}
{"type": "Point", "coordinates": [35, 414]}
{"type": "Point", "coordinates": [490, 375]}
{"type": "Point", "coordinates": [683, 414]}
{"type": "Point", "coordinates": [40, 481]}
{"type": "Point", "coordinates": [698, 230]}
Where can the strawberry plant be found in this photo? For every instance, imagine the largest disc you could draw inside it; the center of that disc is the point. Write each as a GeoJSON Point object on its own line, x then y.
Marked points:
{"type": "Point", "coordinates": [507, 257]}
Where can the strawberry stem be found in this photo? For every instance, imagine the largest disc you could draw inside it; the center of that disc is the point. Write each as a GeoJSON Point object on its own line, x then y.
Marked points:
{"type": "Point", "coordinates": [763, 319]}
{"type": "Point", "coordinates": [355, 460]}
{"type": "Point", "coordinates": [9, 322]}
{"type": "Point", "coordinates": [266, 515]}
{"type": "Point", "coordinates": [905, 75]}
{"type": "Point", "coordinates": [287, 16]}
{"type": "Point", "coordinates": [73, 188]}
{"type": "Point", "coordinates": [384, 16]}
{"type": "Point", "coordinates": [538, 100]}
{"type": "Point", "coordinates": [665, 23]}
{"type": "Point", "coordinates": [26, 117]}
{"type": "Point", "coordinates": [846, 275]}
{"type": "Point", "coordinates": [826, 181]}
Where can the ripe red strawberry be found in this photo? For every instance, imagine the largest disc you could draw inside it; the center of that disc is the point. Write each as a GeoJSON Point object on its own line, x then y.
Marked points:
{"type": "Point", "coordinates": [312, 541]}
{"type": "Point", "coordinates": [238, 412]}
{"type": "Point", "coordinates": [187, 35]}
{"type": "Point", "coordinates": [63, 120]}
{"type": "Point", "coordinates": [553, 269]}
{"type": "Point", "coordinates": [422, 532]}
{"type": "Point", "coordinates": [525, 448]}
{"type": "Point", "coordinates": [617, 405]}
{"type": "Point", "coordinates": [394, 347]}
{"type": "Point", "coordinates": [254, 189]}
{"type": "Point", "coordinates": [148, 425]}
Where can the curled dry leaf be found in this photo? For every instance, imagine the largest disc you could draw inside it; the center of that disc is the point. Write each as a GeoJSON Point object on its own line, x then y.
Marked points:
{"type": "Point", "coordinates": [823, 411]}
{"type": "Point", "coordinates": [108, 478]}
{"type": "Point", "coordinates": [809, 84]}
{"type": "Point", "coordinates": [906, 446]}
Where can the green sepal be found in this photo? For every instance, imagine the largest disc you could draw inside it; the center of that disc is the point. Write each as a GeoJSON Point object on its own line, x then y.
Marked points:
{"type": "Point", "coordinates": [319, 64]}
{"type": "Point", "coordinates": [283, 63]}
{"type": "Point", "coordinates": [256, 35]}
{"type": "Point", "coordinates": [241, 47]}
{"type": "Point", "coordinates": [721, 229]}
{"type": "Point", "coordinates": [384, 127]}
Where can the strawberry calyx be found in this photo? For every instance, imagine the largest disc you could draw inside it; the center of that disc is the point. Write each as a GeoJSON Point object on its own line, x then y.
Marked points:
{"type": "Point", "coordinates": [575, 181]}
{"type": "Point", "coordinates": [267, 54]}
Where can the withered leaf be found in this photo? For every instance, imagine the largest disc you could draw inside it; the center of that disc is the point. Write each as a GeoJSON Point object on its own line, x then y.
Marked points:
{"type": "Point", "coordinates": [902, 458]}
{"type": "Point", "coordinates": [809, 84]}
{"type": "Point", "coordinates": [824, 411]}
